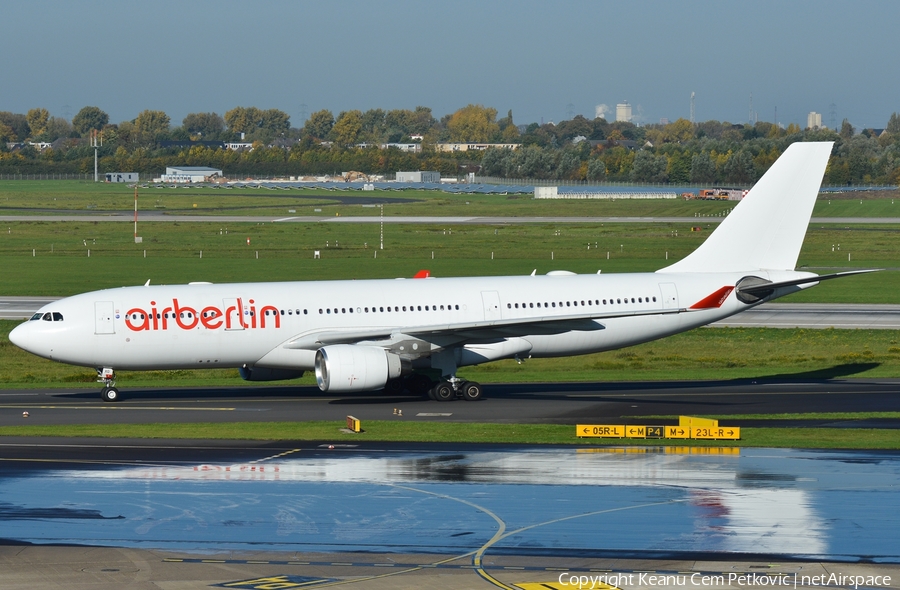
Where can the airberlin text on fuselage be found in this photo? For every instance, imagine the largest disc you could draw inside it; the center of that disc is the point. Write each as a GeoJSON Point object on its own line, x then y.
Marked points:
{"type": "Point", "coordinates": [235, 317]}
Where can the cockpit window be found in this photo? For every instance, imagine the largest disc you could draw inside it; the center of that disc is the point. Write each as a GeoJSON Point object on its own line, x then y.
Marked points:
{"type": "Point", "coordinates": [48, 316]}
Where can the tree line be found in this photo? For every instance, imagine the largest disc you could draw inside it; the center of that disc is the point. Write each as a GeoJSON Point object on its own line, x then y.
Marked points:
{"type": "Point", "coordinates": [710, 152]}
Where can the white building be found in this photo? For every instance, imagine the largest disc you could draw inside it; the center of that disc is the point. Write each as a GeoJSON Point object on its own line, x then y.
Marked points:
{"type": "Point", "coordinates": [464, 147]}
{"type": "Point", "coordinates": [419, 176]}
{"type": "Point", "coordinates": [814, 120]}
{"type": "Point", "coordinates": [623, 112]}
{"type": "Point", "coordinates": [185, 174]}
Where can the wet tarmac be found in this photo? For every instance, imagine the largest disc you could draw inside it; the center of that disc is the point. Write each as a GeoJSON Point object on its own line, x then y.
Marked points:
{"type": "Point", "coordinates": [636, 503]}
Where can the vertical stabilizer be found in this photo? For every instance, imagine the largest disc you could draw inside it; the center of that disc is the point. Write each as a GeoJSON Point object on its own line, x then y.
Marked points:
{"type": "Point", "coordinates": [766, 229]}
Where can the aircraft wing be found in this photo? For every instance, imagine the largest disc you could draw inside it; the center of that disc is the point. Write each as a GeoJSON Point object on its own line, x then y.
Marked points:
{"type": "Point", "coordinates": [448, 334]}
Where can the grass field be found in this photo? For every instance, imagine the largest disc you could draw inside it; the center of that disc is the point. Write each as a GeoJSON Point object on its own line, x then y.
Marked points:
{"type": "Point", "coordinates": [82, 256]}
{"type": "Point", "coordinates": [54, 195]}
{"type": "Point", "coordinates": [401, 431]}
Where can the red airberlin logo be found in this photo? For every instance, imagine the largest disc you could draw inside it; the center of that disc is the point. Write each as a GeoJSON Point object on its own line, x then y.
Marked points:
{"type": "Point", "coordinates": [234, 317]}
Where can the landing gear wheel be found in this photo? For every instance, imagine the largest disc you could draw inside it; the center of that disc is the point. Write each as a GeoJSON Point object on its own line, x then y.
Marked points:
{"type": "Point", "coordinates": [443, 392]}
{"type": "Point", "coordinates": [419, 384]}
{"type": "Point", "coordinates": [110, 394]}
{"type": "Point", "coordinates": [394, 387]}
{"type": "Point", "coordinates": [471, 391]}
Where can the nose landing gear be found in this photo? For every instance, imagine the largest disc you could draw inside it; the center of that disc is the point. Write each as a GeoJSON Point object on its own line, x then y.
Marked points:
{"type": "Point", "coordinates": [107, 377]}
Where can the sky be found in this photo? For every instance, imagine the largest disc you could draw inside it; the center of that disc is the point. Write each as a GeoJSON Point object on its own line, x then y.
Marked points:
{"type": "Point", "coordinates": [545, 61]}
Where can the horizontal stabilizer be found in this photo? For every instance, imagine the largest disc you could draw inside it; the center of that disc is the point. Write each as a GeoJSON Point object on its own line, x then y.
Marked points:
{"type": "Point", "coordinates": [752, 289]}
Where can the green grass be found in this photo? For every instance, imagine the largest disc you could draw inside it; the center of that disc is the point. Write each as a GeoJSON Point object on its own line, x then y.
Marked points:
{"type": "Point", "coordinates": [49, 258]}
{"type": "Point", "coordinates": [88, 196]}
{"type": "Point", "coordinates": [402, 431]}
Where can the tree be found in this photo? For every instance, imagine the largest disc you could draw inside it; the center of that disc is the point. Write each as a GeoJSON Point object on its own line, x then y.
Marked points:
{"type": "Point", "coordinates": [703, 168]}
{"type": "Point", "coordinates": [89, 118]}
{"type": "Point", "coordinates": [649, 168]}
{"type": "Point", "coordinates": [319, 124]}
{"type": "Point", "coordinates": [739, 168]}
{"type": "Point", "coordinates": [346, 129]}
{"type": "Point", "coordinates": [596, 169]}
{"type": "Point", "coordinates": [847, 129]}
{"type": "Point", "coordinates": [58, 127]}
{"type": "Point", "coordinates": [208, 125]}
{"type": "Point", "coordinates": [473, 123]}
{"type": "Point", "coordinates": [243, 119]}
{"type": "Point", "coordinates": [151, 124]}
{"type": "Point", "coordinates": [680, 131]}
{"type": "Point", "coordinates": [17, 124]}
{"type": "Point", "coordinates": [6, 134]}
{"type": "Point", "coordinates": [893, 126]}
{"type": "Point", "coordinates": [568, 164]}
{"type": "Point", "coordinates": [37, 121]}
{"type": "Point", "coordinates": [274, 121]}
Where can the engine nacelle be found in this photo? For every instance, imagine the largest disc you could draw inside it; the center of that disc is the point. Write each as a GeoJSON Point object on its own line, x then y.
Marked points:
{"type": "Point", "coordinates": [264, 374]}
{"type": "Point", "coordinates": [346, 367]}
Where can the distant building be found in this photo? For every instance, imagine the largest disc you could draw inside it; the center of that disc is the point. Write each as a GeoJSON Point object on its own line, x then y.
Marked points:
{"type": "Point", "coordinates": [419, 176]}
{"type": "Point", "coordinates": [239, 146]}
{"type": "Point", "coordinates": [122, 177]}
{"type": "Point", "coordinates": [814, 120]}
{"type": "Point", "coordinates": [185, 174]}
{"type": "Point", "coordinates": [623, 112]}
{"type": "Point", "coordinates": [664, 121]}
{"type": "Point", "coordinates": [464, 147]}
{"type": "Point", "coordinates": [189, 143]}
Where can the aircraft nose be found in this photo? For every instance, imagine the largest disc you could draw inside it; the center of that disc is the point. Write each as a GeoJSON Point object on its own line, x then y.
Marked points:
{"type": "Point", "coordinates": [23, 337]}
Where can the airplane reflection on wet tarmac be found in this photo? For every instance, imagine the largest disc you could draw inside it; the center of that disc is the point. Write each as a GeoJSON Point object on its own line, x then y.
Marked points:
{"type": "Point", "coordinates": [835, 505]}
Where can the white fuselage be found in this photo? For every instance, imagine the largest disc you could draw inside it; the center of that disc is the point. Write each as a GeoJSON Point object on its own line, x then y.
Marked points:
{"type": "Point", "coordinates": [254, 324]}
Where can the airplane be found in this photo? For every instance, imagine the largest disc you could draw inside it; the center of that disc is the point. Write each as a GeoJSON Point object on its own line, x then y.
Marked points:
{"type": "Point", "coordinates": [396, 334]}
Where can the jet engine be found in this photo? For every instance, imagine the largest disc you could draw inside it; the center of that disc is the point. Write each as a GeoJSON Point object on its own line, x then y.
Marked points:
{"type": "Point", "coordinates": [264, 374]}
{"type": "Point", "coordinates": [346, 367]}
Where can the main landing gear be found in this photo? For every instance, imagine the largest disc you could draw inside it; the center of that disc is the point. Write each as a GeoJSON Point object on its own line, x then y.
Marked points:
{"type": "Point", "coordinates": [448, 389]}
{"type": "Point", "coordinates": [107, 377]}
{"type": "Point", "coordinates": [453, 388]}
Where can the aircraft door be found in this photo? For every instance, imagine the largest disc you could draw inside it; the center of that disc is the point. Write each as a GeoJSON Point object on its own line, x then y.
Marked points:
{"type": "Point", "coordinates": [104, 314]}
{"type": "Point", "coordinates": [669, 295]}
{"type": "Point", "coordinates": [232, 315]}
{"type": "Point", "coordinates": [491, 301]}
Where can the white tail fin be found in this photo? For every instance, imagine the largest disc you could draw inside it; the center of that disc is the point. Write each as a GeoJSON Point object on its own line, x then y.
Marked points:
{"type": "Point", "coordinates": [766, 229]}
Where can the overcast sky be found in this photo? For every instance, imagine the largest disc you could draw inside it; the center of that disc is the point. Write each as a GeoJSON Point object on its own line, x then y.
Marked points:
{"type": "Point", "coordinates": [544, 60]}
